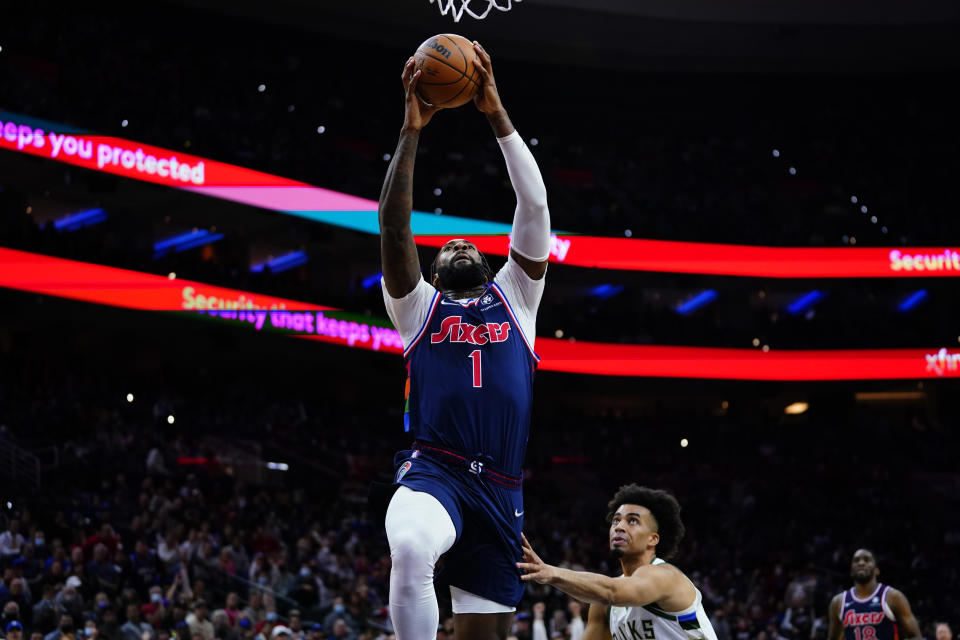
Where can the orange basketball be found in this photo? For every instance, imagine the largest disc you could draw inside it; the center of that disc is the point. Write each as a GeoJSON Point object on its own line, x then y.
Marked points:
{"type": "Point", "coordinates": [448, 70]}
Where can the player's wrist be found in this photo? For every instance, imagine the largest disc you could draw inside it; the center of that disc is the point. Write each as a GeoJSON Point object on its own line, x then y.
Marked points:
{"type": "Point", "coordinates": [500, 122]}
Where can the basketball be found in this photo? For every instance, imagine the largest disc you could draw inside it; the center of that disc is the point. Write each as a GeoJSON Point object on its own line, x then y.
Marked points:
{"type": "Point", "coordinates": [448, 77]}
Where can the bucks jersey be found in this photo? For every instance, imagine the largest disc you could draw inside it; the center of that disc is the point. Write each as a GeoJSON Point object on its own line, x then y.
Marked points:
{"type": "Point", "coordinates": [868, 618]}
{"type": "Point", "coordinates": [651, 623]}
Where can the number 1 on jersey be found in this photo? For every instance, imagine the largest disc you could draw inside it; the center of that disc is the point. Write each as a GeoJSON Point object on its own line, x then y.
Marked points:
{"type": "Point", "coordinates": [477, 372]}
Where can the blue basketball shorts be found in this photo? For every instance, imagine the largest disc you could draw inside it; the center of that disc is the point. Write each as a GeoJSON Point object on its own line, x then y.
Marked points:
{"type": "Point", "coordinates": [486, 507]}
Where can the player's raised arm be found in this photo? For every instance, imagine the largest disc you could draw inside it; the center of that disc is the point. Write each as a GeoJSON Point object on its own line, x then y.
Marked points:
{"type": "Point", "coordinates": [398, 251]}
{"type": "Point", "coordinates": [900, 606]}
{"type": "Point", "coordinates": [530, 236]}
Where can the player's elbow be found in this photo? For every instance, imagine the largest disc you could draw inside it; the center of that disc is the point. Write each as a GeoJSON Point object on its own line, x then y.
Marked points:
{"type": "Point", "coordinates": [534, 201]}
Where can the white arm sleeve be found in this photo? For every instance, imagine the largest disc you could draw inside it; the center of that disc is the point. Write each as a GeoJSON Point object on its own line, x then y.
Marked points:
{"type": "Point", "coordinates": [523, 293]}
{"type": "Point", "coordinates": [409, 312]}
{"type": "Point", "coordinates": [530, 236]}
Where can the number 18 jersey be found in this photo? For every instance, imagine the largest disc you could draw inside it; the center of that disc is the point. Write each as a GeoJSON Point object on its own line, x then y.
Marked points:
{"type": "Point", "coordinates": [869, 618]}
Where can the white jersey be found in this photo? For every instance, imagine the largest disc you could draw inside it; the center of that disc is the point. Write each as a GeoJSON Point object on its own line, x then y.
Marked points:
{"type": "Point", "coordinates": [651, 623]}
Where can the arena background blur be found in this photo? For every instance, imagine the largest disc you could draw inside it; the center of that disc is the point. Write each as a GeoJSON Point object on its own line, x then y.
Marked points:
{"type": "Point", "coordinates": [165, 477]}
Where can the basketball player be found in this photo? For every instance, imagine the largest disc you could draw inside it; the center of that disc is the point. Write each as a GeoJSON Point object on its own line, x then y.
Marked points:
{"type": "Point", "coordinates": [870, 610]}
{"type": "Point", "coordinates": [651, 600]}
{"type": "Point", "coordinates": [468, 340]}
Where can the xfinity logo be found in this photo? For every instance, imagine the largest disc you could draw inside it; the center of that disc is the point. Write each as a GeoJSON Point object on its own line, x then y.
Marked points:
{"type": "Point", "coordinates": [942, 361]}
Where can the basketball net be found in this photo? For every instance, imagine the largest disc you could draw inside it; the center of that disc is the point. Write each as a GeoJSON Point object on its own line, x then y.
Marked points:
{"type": "Point", "coordinates": [459, 7]}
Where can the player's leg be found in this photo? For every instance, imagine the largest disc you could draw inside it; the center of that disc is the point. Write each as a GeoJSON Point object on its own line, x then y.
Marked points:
{"type": "Point", "coordinates": [482, 626]}
{"type": "Point", "coordinates": [419, 531]}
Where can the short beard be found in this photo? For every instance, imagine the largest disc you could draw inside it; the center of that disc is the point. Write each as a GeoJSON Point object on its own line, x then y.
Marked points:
{"type": "Point", "coordinates": [461, 276]}
{"type": "Point", "coordinates": [863, 579]}
{"type": "Point", "coordinates": [617, 553]}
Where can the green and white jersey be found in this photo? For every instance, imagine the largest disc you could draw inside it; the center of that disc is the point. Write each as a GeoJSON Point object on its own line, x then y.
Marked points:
{"type": "Point", "coordinates": [650, 623]}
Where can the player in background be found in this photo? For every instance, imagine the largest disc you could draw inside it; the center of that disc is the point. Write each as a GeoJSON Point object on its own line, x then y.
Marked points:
{"type": "Point", "coordinates": [870, 610]}
{"type": "Point", "coordinates": [468, 346]}
{"type": "Point", "coordinates": [651, 600]}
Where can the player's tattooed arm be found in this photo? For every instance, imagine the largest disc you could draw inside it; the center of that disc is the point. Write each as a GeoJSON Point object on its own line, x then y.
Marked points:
{"type": "Point", "coordinates": [836, 631]}
{"type": "Point", "coordinates": [910, 629]}
{"type": "Point", "coordinates": [598, 625]}
{"type": "Point", "coordinates": [398, 251]}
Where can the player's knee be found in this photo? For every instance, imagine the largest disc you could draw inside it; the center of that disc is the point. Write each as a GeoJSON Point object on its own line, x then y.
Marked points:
{"type": "Point", "coordinates": [408, 548]}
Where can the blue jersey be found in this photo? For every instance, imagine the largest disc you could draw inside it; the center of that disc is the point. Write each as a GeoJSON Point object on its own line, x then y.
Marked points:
{"type": "Point", "coordinates": [470, 380]}
{"type": "Point", "coordinates": [869, 618]}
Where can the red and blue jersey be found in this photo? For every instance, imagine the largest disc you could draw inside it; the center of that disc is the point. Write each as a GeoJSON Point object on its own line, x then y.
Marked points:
{"type": "Point", "coordinates": [868, 618]}
{"type": "Point", "coordinates": [470, 373]}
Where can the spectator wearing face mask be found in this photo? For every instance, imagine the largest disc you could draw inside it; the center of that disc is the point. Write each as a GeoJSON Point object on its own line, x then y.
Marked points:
{"type": "Point", "coordinates": [339, 612]}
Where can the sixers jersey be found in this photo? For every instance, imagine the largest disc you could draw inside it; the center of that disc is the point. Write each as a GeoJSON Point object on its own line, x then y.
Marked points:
{"type": "Point", "coordinates": [869, 618]}
{"type": "Point", "coordinates": [470, 379]}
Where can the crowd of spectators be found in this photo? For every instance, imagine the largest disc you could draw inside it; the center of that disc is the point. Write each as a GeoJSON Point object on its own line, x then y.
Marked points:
{"type": "Point", "coordinates": [142, 529]}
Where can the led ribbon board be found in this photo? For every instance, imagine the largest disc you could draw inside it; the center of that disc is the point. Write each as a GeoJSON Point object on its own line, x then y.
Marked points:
{"type": "Point", "coordinates": [229, 182]}
{"type": "Point", "coordinates": [135, 290]}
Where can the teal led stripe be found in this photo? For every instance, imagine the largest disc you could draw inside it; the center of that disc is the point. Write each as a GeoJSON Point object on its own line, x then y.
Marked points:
{"type": "Point", "coordinates": [422, 224]}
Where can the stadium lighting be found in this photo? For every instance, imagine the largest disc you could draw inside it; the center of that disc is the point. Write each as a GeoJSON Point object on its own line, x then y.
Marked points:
{"type": "Point", "coordinates": [912, 300]}
{"type": "Point", "coordinates": [796, 408]}
{"type": "Point", "coordinates": [804, 302]}
{"type": "Point", "coordinates": [281, 263]}
{"type": "Point", "coordinates": [80, 219]}
{"type": "Point", "coordinates": [372, 281]}
{"type": "Point", "coordinates": [170, 419]}
{"type": "Point", "coordinates": [129, 397]}
{"type": "Point", "coordinates": [700, 300]}
{"type": "Point", "coordinates": [684, 442]}
{"type": "Point", "coordinates": [278, 466]}
{"type": "Point", "coordinates": [185, 241]}
{"type": "Point", "coordinates": [605, 291]}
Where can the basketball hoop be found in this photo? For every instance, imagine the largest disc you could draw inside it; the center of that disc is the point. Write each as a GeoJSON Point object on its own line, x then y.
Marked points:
{"type": "Point", "coordinates": [459, 7]}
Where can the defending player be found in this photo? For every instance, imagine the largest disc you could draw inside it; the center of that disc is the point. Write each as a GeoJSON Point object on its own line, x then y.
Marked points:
{"type": "Point", "coordinates": [468, 343]}
{"type": "Point", "coordinates": [870, 610]}
{"type": "Point", "coordinates": [652, 599]}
